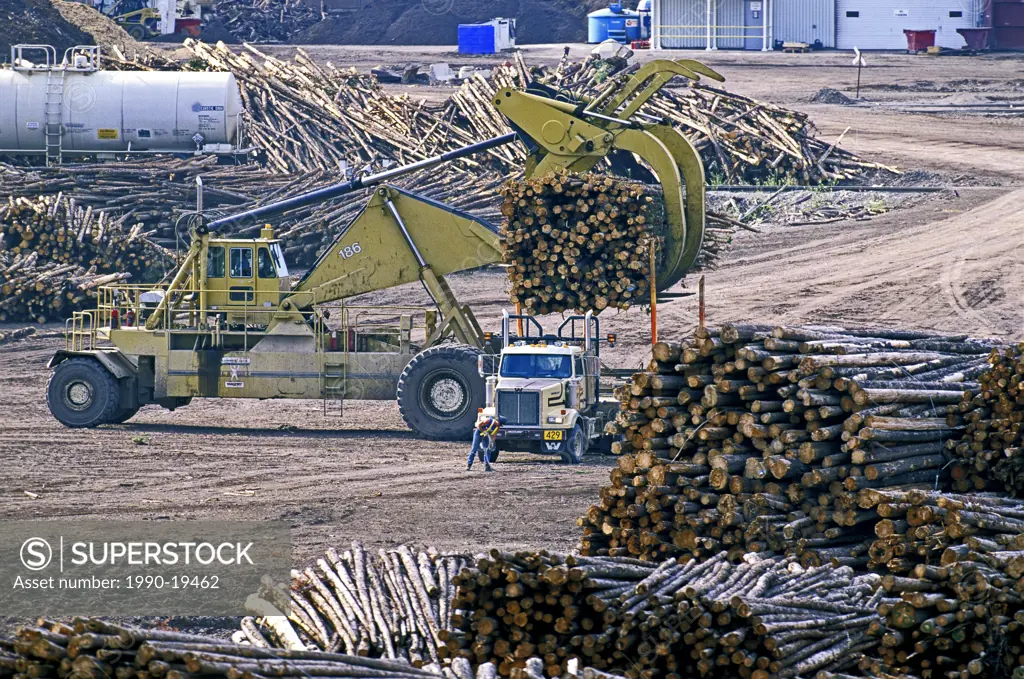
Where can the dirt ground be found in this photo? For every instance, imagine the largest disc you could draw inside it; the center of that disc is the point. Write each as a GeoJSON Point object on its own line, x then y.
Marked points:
{"type": "Point", "coordinates": [951, 261]}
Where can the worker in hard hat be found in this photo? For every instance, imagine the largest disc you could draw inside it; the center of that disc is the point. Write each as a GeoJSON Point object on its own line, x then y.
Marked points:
{"type": "Point", "coordinates": [485, 437]}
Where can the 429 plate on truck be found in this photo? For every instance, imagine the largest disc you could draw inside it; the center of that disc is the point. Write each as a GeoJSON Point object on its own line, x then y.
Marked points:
{"type": "Point", "coordinates": [555, 435]}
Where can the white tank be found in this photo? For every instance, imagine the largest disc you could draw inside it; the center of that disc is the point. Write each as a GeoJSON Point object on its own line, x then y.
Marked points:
{"type": "Point", "coordinates": [119, 111]}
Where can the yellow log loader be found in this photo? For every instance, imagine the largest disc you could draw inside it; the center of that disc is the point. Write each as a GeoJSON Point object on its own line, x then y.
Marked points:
{"type": "Point", "coordinates": [230, 324]}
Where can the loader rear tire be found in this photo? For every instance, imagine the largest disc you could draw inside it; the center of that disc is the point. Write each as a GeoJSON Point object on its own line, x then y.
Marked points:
{"type": "Point", "coordinates": [440, 392]}
{"type": "Point", "coordinates": [82, 393]}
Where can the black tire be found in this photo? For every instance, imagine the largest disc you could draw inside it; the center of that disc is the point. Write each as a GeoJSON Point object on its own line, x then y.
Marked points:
{"type": "Point", "coordinates": [494, 455]}
{"type": "Point", "coordinates": [577, 447]}
{"type": "Point", "coordinates": [138, 32]}
{"type": "Point", "coordinates": [124, 415]}
{"type": "Point", "coordinates": [440, 392]}
{"type": "Point", "coordinates": [82, 393]}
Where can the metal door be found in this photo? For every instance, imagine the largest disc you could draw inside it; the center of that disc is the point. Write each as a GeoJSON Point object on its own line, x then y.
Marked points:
{"type": "Point", "coordinates": [753, 13]}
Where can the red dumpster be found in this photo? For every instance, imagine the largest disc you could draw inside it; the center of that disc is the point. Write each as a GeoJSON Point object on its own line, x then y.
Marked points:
{"type": "Point", "coordinates": [976, 38]}
{"type": "Point", "coordinates": [919, 40]}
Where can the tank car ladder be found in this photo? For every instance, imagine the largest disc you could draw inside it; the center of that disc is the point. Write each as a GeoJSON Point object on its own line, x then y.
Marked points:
{"type": "Point", "coordinates": [54, 113]}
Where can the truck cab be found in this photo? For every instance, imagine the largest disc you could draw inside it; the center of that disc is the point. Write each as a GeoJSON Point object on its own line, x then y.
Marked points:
{"type": "Point", "coordinates": [547, 387]}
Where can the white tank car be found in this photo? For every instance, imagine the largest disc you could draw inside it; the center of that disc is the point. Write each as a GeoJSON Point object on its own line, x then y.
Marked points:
{"type": "Point", "coordinates": [120, 111]}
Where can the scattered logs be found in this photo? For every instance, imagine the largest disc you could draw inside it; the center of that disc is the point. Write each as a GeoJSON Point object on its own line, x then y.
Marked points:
{"type": "Point", "coordinates": [990, 454]}
{"type": "Point", "coordinates": [263, 21]}
{"type": "Point", "coordinates": [16, 334]}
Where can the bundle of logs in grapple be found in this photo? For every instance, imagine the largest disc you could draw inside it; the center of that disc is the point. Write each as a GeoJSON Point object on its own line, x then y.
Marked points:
{"type": "Point", "coordinates": [756, 619]}
{"type": "Point", "coordinates": [579, 242]}
{"type": "Point", "coordinates": [96, 649]}
{"type": "Point", "coordinates": [393, 605]}
{"type": "Point", "coordinates": [54, 255]}
{"type": "Point", "coordinates": [585, 242]}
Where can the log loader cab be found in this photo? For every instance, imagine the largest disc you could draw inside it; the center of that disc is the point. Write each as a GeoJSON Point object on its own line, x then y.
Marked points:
{"type": "Point", "coordinates": [244, 276]}
{"type": "Point", "coordinates": [547, 387]}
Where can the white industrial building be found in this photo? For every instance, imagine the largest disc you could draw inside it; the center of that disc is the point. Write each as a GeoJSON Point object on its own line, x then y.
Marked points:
{"type": "Point", "coordinates": [843, 24]}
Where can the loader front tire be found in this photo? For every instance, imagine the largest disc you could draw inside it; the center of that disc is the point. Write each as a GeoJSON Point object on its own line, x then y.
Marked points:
{"type": "Point", "coordinates": [82, 393]}
{"type": "Point", "coordinates": [440, 392]}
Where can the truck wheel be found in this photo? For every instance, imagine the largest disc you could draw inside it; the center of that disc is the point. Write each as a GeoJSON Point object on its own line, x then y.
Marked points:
{"type": "Point", "coordinates": [577, 446]}
{"type": "Point", "coordinates": [494, 455]}
{"type": "Point", "coordinates": [82, 393]}
{"type": "Point", "coordinates": [138, 32]}
{"type": "Point", "coordinates": [440, 392]}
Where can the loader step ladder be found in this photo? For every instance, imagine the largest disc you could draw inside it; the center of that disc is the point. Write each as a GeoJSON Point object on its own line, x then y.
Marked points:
{"type": "Point", "coordinates": [334, 383]}
{"type": "Point", "coordinates": [54, 113]}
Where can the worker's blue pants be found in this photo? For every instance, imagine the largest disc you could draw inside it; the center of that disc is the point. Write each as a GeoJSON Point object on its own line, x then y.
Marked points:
{"type": "Point", "coordinates": [481, 447]}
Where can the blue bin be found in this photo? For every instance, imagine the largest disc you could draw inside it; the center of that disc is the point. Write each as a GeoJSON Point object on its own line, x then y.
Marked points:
{"type": "Point", "coordinates": [476, 39]}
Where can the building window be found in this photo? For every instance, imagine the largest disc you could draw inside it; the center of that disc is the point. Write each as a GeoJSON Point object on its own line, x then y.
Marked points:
{"type": "Point", "coordinates": [852, 15]}
{"type": "Point", "coordinates": [957, 14]}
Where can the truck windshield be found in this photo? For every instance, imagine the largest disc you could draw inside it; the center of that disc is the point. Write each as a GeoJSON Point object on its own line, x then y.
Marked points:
{"type": "Point", "coordinates": [536, 365]}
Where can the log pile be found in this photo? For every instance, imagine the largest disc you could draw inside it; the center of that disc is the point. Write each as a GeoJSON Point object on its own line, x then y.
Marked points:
{"type": "Point", "coordinates": [952, 565]}
{"type": "Point", "coordinates": [990, 454]}
{"type": "Point", "coordinates": [96, 649]}
{"type": "Point", "coordinates": [394, 604]}
{"type": "Point", "coordinates": [60, 230]}
{"type": "Point", "coordinates": [740, 139]}
{"type": "Point", "coordinates": [36, 290]}
{"type": "Point", "coordinates": [55, 254]}
{"type": "Point", "coordinates": [263, 21]}
{"type": "Point", "coordinates": [757, 439]}
{"type": "Point", "coordinates": [758, 618]}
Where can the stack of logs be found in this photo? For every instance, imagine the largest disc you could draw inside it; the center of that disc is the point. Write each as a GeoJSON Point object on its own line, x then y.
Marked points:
{"type": "Point", "coordinates": [55, 254]}
{"type": "Point", "coordinates": [38, 291]}
{"type": "Point", "coordinates": [96, 649]}
{"type": "Point", "coordinates": [830, 446]}
{"type": "Point", "coordinates": [755, 619]}
{"type": "Point", "coordinates": [62, 231]}
{"type": "Point", "coordinates": [732, 429]}
{"type": "Point", "coordinates": [579, 242]}
{"type": "Point", "coordinates": [393, 606]}
{"type": "Point", "coordinates": [990, 456]}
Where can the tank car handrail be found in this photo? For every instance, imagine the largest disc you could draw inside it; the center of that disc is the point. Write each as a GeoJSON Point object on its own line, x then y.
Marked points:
{"type": "Point", "coordinates": [48, 50]}
{"type": "Point", "coordinates": [91, 51]}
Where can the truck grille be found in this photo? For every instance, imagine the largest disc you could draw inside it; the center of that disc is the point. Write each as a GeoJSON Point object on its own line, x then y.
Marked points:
{"type": "Point", "coordinates": [519, 407]}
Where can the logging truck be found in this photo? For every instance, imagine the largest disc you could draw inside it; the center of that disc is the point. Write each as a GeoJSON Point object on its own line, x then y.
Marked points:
{"type": "Point", "coordinates": [232, 324]}
{"type": "Point", "coordinates": [547, 388]}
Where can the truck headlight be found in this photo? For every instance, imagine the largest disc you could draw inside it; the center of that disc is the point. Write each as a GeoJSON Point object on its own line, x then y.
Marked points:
{"type": "Point", "coordinates": [556, 420]}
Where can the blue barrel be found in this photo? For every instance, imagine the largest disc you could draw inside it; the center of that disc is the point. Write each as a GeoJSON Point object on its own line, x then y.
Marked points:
{"type": "Point", "coordinates": [614, 22]}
